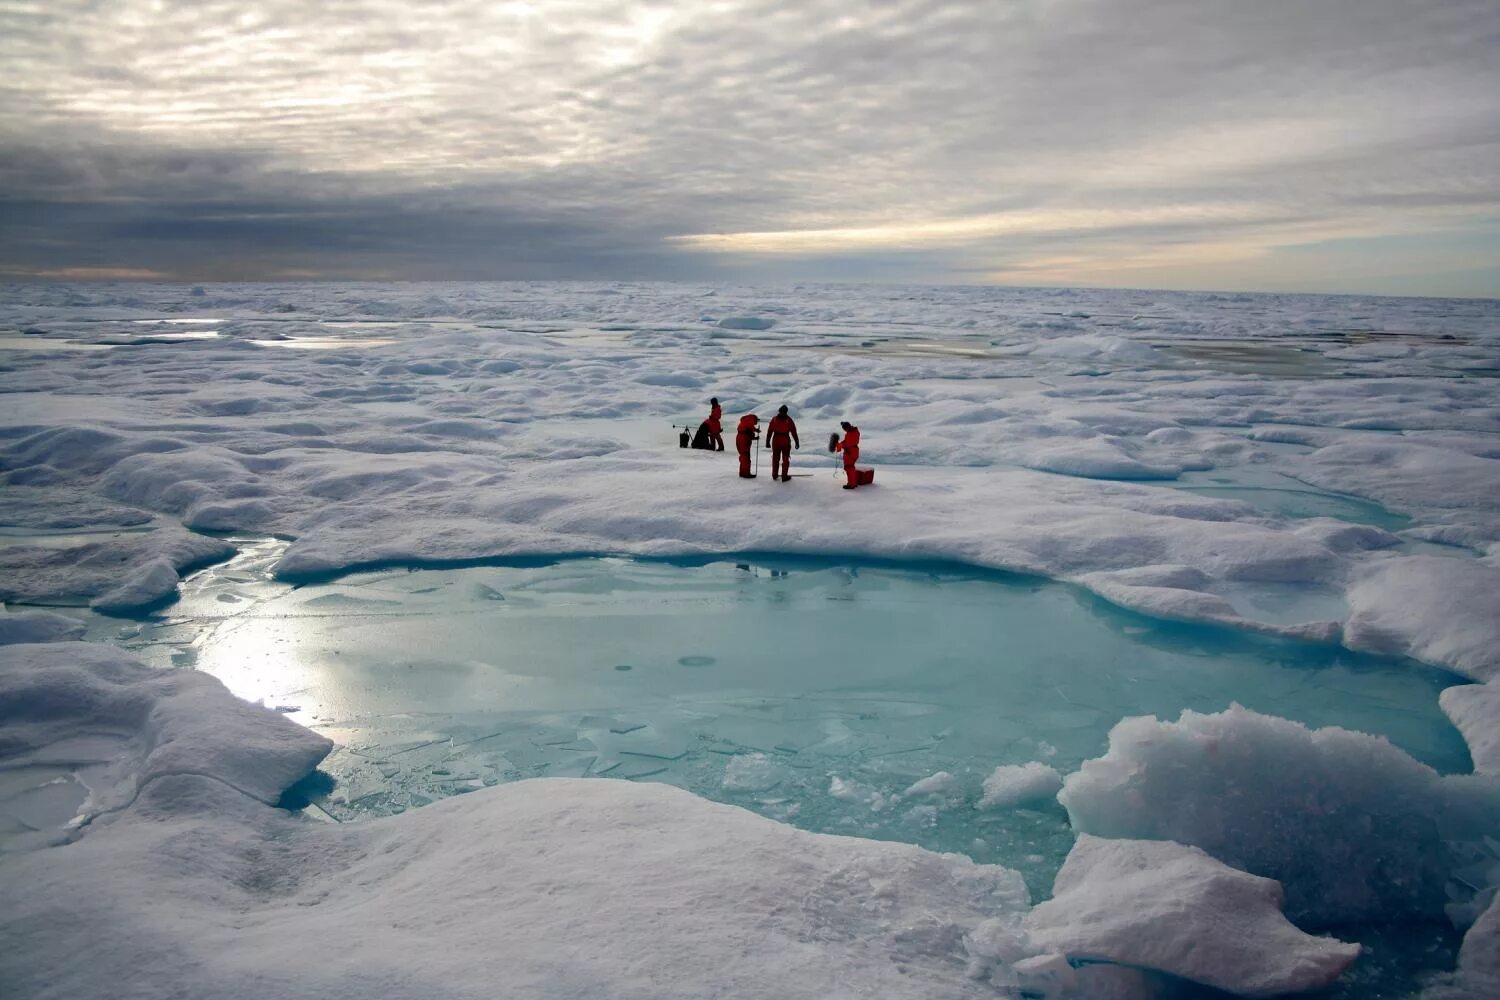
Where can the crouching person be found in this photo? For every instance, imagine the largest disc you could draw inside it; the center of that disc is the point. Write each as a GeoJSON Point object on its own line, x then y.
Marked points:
{"type": "Point", "coordinates": [849, 446]}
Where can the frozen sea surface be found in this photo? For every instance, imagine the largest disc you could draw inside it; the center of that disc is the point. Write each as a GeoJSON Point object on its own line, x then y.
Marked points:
{"type": "Point", "coordinates": [448, 526]}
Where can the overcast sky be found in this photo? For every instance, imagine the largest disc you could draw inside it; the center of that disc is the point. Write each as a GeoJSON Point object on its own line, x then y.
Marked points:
{"type": "Point", "coordinates": [1318, 145]}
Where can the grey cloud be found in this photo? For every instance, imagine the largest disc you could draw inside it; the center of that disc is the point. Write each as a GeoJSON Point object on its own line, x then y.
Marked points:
{"type": "Point", "coordinates": [592, 131]}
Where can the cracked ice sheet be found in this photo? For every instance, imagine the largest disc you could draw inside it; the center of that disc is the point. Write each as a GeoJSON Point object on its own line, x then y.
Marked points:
{"type": "Point", "coordinates": [494, 420]}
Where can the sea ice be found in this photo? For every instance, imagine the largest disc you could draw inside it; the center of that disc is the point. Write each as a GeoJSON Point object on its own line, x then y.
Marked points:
{"type": "Point", "coordinates": [38, 626]}
{"type": "Point", "coordinates": [117, 573]}
{"type": "Point", "coordinates": [1437, 609]}
{"type": "Point", "coordinates": [1475, 710]}
{"type": "Point", "coordinates": [528, 420]}
{"type": "Point", "coordinates": [1159, 905]}
{"type": "Point", "coordinates": [197, 887]}
{"type": "Point", "coordinates": [1353, 828]}
{"type": "Point", "coordinates": [158, 723]}
{"type": "Point", "coordinates": [1013, 784]}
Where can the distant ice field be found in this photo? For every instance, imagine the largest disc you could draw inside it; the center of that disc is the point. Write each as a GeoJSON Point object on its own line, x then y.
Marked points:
{"type": "Point", "coordinates": [449, 528]}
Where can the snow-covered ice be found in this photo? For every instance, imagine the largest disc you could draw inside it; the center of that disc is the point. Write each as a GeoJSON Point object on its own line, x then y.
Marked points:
{"type": "Point", "coordinates": [1304, 470]}
{"type": "Point", "coordinates": [1160, 905]}
{"type": "Point", "coordinates": [1475, 710]}
{"type": "Point", "coordinates": [1353, 828]}
{"type": "Point", "coordinates": [1012, 784]}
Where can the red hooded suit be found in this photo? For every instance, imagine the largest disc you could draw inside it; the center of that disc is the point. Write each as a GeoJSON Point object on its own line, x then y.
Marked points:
{"type": "Point", "coordinates": [743, 436]}
{"type": "Point", "coordinates": [850, 447]}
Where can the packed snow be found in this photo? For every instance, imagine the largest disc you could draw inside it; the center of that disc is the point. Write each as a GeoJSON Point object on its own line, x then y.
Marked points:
{"type": "Point", "coordinates": [1012, 784]}
{"type": "Point", "coordinates": [1314, 470]}
{"type": "Point", "coordinates": [1352, 827]}
{"type": "Point", "coordinates": [1160, 905]}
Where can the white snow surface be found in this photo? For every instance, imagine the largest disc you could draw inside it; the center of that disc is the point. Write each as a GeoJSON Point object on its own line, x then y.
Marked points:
{"type": "Point", "coordinates": [479, 421]}
{"type": "Point", "coordinates": [1435, 609]}
{"type": "Point", "coordinates": [443, 422]}
{"type": "Point", "coordinates": [38, 626]}
{"type": "Point", "coordinates": [1160, 905]}
{"type": "Point", "coordinates": [179, 879]}
{"type": "Point", "coordinates": [125, 725]}
{"type": "Point", "coordinates": [1352, 827]}
{"type": "Point", "coordinates": [556, 888]}
{"type": "Point", "coordinates": [1475, 710]}
{"type": "Point", "coordinates": [1012, 784]}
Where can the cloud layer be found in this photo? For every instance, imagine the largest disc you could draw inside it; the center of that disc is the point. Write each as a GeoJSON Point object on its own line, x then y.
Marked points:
{"type": "Point", "coordinates": [1053, 141]}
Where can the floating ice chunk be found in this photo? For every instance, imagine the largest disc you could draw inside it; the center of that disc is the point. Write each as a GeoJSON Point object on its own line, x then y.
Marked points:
{"type": "Point", "coordinates": [1160, 905]}
{"type": "Point", "coordinates": [1440, 610]}
{"type": "Point", "coordinates": [1352, 827]}
{"type": "Point", "coordinates": [941, 783]}
{"type": "Point", "coordinates": [38, 626]}
{"type": "Point", "coordinates": [751, 772]}
{"type": "Point", "coordinates": [1475, 710]}
{"type": "Point", "coordinates": [173, 721]}
{"type": "Point", "coordinates": [1012, 784]}
{"type": "Point", "coordinates": [854, 791]}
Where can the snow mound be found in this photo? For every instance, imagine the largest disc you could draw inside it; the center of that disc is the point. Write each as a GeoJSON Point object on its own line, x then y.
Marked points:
{"type": "Point", "coordinates": [549, 888]}
{"type": "Point", "coordinates": [141, 586]}
{"type": "Point", "coordinates": [1475, 710]}
{"type": "Point", "coordinates": [1440, 610]}
{"type": "Point", "coordinates": [143, 725]}
{"type": "Point", "coordinates": [1163, 906]}
{"type": "Point", "coordinates": [38, 626]}
{"type": "Point", "coordinates": [1404, 474]}
{"type": "Point", "coordinates": [1352, 827]}
{"type": "Point", "coordinates": [120, 573]}
{"type": "Point", "coordinates": [1013, 784]}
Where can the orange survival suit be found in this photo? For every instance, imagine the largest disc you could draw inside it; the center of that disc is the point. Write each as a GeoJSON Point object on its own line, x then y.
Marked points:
{"type": "Point", "coordinates": [781, 434]}
{"type": "Point", "coordinates": [716, 426]}
{"type": "Point", "coordinates": [850, 447]}
{"type": "Point", "coordinates": [746, 432]}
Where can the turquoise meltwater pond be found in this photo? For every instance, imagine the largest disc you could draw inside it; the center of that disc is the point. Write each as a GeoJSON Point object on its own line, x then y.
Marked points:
{"type": "Point", "coordinates": [813, 691]}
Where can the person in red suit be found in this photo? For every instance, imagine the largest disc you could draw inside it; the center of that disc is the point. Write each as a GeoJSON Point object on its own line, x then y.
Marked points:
{"type": "Point", "coordinates": [781, 434]}
{"type": "Point", "coordinates": [715, 424]}
{"type": "Point", "coordinates": [745, 433]}
{"type": "Point", "coordinates": [850, 447]}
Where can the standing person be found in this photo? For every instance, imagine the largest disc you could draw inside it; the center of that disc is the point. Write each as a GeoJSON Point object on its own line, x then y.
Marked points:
{"type": "Point", "coordinates": [746, 432]}
{"type": "Point", "coordinates": [850, 447]}
{"type": "Point", "coordinates": [715, 424]}
{"type": "Point", "coordinates": [781, 433]}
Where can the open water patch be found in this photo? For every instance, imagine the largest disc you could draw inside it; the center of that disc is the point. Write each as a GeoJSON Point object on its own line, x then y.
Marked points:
{"type": "Point", "coordinates": [814, 691]}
